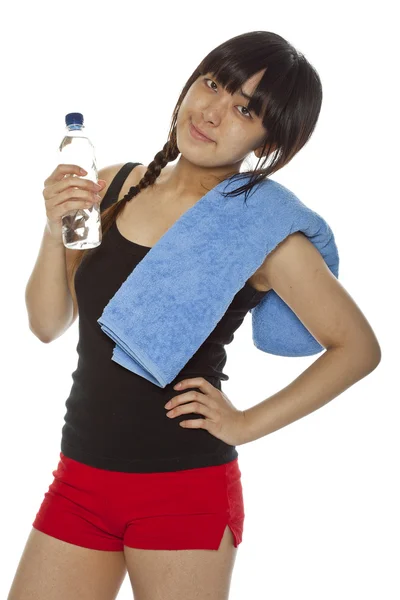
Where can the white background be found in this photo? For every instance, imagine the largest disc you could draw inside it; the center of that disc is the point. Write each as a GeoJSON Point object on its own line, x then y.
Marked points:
{"type": "Point", "coordinates": [321, 500]}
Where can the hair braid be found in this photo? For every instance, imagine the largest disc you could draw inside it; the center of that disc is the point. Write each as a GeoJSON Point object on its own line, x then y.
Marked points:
{"type": "Point", "coordinates": [169, 153]}
{"type": "Point", "coordinates": [154, 169]}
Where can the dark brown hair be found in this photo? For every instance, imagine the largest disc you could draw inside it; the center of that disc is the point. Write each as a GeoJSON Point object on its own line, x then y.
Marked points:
{"type": "Point", "coordinates": [288, 96]}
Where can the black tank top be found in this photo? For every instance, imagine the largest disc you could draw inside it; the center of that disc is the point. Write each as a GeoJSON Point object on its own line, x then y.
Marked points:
{"type": "Point", "coordinates": [115, 419]}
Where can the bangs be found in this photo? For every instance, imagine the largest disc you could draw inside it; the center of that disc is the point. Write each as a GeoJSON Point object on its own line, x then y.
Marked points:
{"type": "Point", "coordinates": [232, 75]}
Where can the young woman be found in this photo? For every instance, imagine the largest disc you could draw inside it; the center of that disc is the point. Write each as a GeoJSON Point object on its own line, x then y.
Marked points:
{"type": "Point", "coordinates": [135, 479]}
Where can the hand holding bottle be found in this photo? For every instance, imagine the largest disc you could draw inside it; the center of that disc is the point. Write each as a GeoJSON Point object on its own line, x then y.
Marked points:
{"type": "Point", "coordinates": [61, 195]}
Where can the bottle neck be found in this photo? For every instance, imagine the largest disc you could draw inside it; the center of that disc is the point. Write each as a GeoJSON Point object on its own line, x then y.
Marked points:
{"type": "Point", "coordinates": [76, 130]}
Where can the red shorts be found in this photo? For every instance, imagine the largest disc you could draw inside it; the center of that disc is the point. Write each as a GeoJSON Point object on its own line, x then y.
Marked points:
{"type": "Point", "coordinates": [105, 510]}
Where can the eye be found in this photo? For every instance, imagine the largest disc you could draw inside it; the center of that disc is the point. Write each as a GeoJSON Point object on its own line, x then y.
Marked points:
{"type": "Point", "coordinates": [206, 79]}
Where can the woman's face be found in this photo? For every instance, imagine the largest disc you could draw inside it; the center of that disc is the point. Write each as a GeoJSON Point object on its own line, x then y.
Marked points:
{"type": "Point", "coordinates": [234, 131]}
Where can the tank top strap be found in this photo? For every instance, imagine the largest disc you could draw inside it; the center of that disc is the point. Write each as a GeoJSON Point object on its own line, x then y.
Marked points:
{"type": "Point", "coordinates": [116, 184]}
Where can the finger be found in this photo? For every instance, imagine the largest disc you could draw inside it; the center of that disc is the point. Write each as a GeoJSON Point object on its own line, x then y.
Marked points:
{"type": "Point", "coordinates": [194, 423]}
{"type": "Point", "coordinates": [76, 183]}
{"type": "Point", "coordinates": [61, 171]}
{"type": "Point", "coordinates": [195, 382]}
{"type": "Point", "coordinates": [186, 397]}
{"type": "Point", "coordinates": [192, 407]}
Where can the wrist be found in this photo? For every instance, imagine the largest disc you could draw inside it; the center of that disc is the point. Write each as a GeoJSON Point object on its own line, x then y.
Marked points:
{"type": "Point", "coordinates": [49, 237]}
{"type": "Point", "coordinates": [249, 435]}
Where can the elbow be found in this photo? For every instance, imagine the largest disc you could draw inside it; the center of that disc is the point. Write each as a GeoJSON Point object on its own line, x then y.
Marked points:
{"type": "Point", "coordinates": [377, 356]}
{"type": "Point", "coordinates": [367, 355]}
{"type": "Point", "coordinates": [372, 361]}
{"type": "Point", "coordinates": [42, 338]}
{"type": "Point", "coordinates": [371, 354]}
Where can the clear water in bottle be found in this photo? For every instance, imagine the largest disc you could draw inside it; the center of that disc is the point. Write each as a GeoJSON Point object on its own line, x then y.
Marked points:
{"type": "Point", "coordinates": [81, 229]}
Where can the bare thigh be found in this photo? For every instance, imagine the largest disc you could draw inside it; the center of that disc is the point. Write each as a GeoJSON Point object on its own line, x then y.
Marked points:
{"type": "Point", "coordinates": [182, 574]}
{"type": "Point", "coordinates": [51, 569]}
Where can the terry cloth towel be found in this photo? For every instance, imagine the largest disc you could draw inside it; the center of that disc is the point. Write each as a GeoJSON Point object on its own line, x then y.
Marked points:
{"type": "Point", "coordinates": [176, 295]}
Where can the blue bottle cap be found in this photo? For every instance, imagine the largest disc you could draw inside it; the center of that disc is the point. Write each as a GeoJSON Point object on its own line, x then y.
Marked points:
{"type": "Point", "coordinates": [74, 119]}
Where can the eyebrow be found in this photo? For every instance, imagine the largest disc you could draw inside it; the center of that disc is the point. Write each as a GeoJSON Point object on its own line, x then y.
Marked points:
{"type": "Point", "coordinates": [241, 92]}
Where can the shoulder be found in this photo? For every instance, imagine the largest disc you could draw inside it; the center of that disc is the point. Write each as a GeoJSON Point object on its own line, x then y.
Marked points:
{"type": "Point", "coordinates": [278, 207]}
{"type": "Point", "coordinates": [110, 171]}
{"type": "Point", "coordinates": [293, 258]}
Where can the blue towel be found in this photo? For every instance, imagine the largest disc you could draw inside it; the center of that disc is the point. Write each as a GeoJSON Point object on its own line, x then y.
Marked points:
{"type": "Point", "coordinates": [176, 295]}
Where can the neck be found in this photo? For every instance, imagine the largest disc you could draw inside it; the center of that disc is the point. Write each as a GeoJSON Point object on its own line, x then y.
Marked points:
{"type": "Point", "coordinates": [184, 179]}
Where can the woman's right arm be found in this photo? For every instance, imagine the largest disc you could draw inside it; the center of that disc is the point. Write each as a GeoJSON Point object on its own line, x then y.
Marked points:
{"type": "Point", "coordinates": [50, 295]}
{"type": "Point", "coordinates": [47, 295]}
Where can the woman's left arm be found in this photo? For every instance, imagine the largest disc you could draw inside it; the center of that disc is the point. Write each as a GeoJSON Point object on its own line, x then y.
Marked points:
{"type": "Point", "coordinates": [296, 271]}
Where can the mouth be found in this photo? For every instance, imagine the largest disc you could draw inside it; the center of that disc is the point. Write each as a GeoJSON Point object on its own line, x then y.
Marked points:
{"type": "Point", "coordinates": [197, 134]}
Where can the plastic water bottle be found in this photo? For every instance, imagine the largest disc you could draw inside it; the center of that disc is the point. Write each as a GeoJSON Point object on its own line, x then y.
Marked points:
{"type": "Point", "coordinates": [81, 229]}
